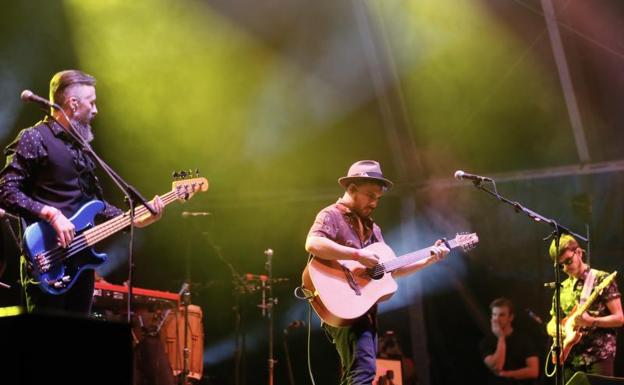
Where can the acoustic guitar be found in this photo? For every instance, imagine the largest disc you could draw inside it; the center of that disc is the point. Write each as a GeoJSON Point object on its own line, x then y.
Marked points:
{"type": "Point", "coordinates": [341, 291]}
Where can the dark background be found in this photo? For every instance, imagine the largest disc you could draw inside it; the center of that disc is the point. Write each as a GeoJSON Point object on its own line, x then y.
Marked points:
{"type": "Point", "coordinates": [273, 101]}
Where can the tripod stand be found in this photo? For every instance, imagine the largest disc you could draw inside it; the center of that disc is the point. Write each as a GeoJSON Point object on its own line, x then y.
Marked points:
{"type": "Point", "coordinates": [268, 302]}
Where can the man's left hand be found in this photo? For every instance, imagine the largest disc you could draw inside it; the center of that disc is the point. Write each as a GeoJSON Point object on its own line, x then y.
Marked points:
{"type": "Point", "coordinates": [149, 218]}
{"type": "Point", "coordinates": [438, 251]}
{"type": "Point", "coordinates": [585, 320]}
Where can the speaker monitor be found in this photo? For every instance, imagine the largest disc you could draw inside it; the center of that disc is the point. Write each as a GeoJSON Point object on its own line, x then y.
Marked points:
{"type": "Point", "coordinates": [38, 349]}
{"type": "Point", "coordinates": [580, 378]}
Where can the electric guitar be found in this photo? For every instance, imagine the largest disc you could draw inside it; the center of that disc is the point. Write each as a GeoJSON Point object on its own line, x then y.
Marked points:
{"type": "Point", "coordinates": [55, 268]}
{"type": "Point", "coordinates": [341, 291]}
{"type": "Point", "coordinates": [570, 332]}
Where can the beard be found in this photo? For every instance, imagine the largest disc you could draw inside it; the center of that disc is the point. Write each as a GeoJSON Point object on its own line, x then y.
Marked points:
{"type": "Point", "coordinates": [363, 212]}
{"type": "Point", "coordinates": [83, 129]}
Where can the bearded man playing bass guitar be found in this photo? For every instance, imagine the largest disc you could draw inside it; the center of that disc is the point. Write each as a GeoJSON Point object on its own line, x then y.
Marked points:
{"type": "Point", "coordinates": [340, 232]}
{"type": "Point", "coordinates": [594, 353]}
{"type": "Point", "coordinates": [48, 176]}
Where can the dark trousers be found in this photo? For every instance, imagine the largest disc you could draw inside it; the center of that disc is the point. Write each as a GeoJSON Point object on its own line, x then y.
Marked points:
{"type": "Point", "coordinates": [76, 300]}
{"type": "Point", "coordinates": [357, 347]}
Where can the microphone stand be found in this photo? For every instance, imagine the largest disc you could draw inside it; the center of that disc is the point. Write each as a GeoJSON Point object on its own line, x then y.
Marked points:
{"type": "Point", "coordinates": [129, 191]}
{"type": "Point", "coordinates": [239, 288]}
{"type": "Point", "coordinates": [291, 377]}
{"type": "Point", "coordinates": [7, 216]}
{"type": "Point", "coordinates": [556, 235]}
{"type": "Point", "coordinates": [267, 309]}
{"type": "Point", "coordinates": [186, 300]}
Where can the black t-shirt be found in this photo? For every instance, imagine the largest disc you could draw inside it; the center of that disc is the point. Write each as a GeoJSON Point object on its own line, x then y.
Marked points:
{"type": "Point", "coordinates": [519, 348]}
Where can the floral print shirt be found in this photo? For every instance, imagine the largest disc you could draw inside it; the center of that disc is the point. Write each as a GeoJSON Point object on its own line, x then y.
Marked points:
{"type": "Point", "coordinates": [598, 343]}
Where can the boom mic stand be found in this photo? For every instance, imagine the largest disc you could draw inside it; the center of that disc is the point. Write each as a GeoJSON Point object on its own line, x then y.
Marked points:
{"type": "Point", "coordinates": [556, 235]}
{"type": "Point", "coordinates": [240, 287]}
{"type": "Point", "coordinates": [293, 325]}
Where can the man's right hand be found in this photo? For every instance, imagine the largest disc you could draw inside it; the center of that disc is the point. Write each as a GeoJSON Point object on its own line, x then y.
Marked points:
{"type": "Point", "coordinates": [496, 329]}
{"type": "Point", "coordinates": [64, 228]}
{"type": "Point", "coordinates": [366, 257]}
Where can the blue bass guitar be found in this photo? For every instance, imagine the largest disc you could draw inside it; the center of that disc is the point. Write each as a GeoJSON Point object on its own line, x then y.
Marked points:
{"type": "Point", "coordinates": [55, 269]}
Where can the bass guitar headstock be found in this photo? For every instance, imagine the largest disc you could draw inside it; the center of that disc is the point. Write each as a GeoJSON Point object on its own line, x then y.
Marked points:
{"type": "Point", "coordinates": [187, 183]}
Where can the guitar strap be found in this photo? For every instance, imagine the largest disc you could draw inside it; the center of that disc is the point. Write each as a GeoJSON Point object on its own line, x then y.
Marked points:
{"type": "Point", "coordinates": [588, 286]}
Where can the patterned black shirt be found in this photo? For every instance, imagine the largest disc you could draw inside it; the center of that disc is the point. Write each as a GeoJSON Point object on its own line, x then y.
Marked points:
{"type": "Point", "coordinates": [45, 166]}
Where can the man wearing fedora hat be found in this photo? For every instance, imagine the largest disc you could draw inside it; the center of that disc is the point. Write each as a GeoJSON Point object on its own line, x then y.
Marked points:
{"type": "Point", "coordinates": [341, 231]}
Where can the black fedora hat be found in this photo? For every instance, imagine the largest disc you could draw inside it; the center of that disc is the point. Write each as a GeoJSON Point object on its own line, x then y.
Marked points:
{"type": "Point", "coordinates": [363, 170]}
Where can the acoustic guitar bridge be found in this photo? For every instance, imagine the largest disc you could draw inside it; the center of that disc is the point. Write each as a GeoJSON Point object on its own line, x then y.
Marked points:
{"type": "Point", "coordinates": [350, 280]}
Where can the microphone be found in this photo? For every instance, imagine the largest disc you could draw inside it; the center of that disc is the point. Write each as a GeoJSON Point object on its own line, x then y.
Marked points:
{"type": "Point", "coordinates": [551, 285]}
{"type": "Point", "coordinates": [29, 96]}
{"type": "Point", "coordinates": [459, 175]}
{"type": "Point", "coordinates": [534, 316]}
{"type": "Point", "coordinates": [186, 214]}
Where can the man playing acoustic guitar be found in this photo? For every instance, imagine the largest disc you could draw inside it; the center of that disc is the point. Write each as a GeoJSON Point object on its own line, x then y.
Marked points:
{"type": "Point", "coordinates": [339, 233]}
{"type": "Point", "coordinates": [595, 351]}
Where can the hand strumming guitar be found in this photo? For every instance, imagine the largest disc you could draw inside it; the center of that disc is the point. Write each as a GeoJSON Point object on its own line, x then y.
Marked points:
{"type": "Point", "coordinates": [367, 258]}
{"type": "Point", "coordinates": [64, 228]}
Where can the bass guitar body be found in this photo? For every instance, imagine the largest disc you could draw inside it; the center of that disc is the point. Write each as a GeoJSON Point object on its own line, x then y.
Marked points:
{"type": "Point", "coordinates": [56, 272]}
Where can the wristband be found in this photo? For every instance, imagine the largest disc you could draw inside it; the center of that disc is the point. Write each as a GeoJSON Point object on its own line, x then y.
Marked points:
{"type": "Point", "coordinates": [55, 215]}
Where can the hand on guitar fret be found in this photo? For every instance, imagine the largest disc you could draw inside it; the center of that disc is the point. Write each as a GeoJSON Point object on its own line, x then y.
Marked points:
{"type": "Point", "coordinates": [147, 219]}
{"type": "Point", "coordinates": [64, 228]}
{"type": "Point", "coordinates": [438, 251]}
{"type": "Point", "coordinates": [584, 320]}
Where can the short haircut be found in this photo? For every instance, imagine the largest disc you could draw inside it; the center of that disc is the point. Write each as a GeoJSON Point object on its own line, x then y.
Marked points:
{"type": "Point", "coordinates": [566, 242]}
{"type": "Point", "coordinates": [64, 81]}
{"type": "Point", "coordinates": [503, 302]}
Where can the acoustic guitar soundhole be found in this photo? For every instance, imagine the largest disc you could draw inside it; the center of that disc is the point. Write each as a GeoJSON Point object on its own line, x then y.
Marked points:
{"type": "Point", "coordinates": [376, 272]}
